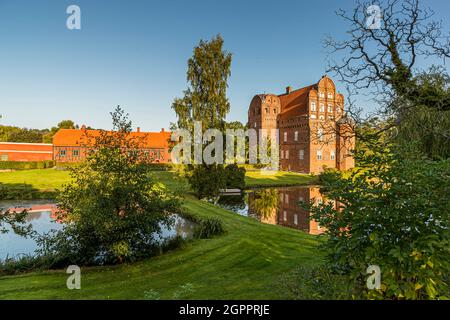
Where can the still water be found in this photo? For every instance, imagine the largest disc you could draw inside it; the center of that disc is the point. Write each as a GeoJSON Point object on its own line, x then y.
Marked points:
{"type": "Point", "coordinates": [41, 217]}
{"type": "Point", "coordinates": [276, 206]}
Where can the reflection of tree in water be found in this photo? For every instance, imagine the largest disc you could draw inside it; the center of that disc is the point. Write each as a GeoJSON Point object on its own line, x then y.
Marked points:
{"type": "Point", "coordinates": [264, 203]}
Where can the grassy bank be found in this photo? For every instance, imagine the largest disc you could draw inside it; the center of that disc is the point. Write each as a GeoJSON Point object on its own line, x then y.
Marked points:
{"type": "Point", "coordinates": [245, 263]}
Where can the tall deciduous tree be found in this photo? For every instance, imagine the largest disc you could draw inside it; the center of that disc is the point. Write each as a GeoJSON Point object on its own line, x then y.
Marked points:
{"type": "Point", "coordinates": [205, 99]}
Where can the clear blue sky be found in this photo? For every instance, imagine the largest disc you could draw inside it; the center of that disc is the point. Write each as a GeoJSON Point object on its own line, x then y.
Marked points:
{"type": "Point", "coordinates": [134, 53]}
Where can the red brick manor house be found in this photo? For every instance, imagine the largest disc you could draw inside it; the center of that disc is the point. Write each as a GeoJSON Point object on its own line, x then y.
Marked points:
{"type": "Point", "coordinates": [314, 132]}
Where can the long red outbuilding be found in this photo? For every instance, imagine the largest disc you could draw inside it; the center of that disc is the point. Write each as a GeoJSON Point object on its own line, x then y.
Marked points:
{"type": "Point", "coordinates": [69, 146]}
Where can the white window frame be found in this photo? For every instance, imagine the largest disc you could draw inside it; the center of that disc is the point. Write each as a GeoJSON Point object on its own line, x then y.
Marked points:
{"type": "Point", "coordinates": [285, 136]}
{"type": "Point", "coordinates": [333, 155]}
{"type": "Point", "coordinates": [319, 154]}
{"type": "Point", "coordinates": [322, 107]}
{"type": "Point", "coordinates": [313, 106]}
{"type": "Point", "coordinates": [296, 135]}
{"type": "Point", "coordinates": [330, 108]}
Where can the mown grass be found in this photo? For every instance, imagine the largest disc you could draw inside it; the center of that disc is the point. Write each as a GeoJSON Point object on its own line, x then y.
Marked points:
{"type": "Point", "coordinates": [47, 181]}
{"type": "Point", "coordinates": [245, 263]}
{"type": "Point", "coordinates": [277, 179]}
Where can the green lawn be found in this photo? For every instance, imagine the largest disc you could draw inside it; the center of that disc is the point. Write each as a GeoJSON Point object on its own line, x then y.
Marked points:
{"type": "Point", "coordinates": [245, 263]}
{"type": "Point", "coordinates": [280, 178]}
{"type": "Point", "coordinates": [41, 179]}
{"type": "Point", "coordinates": [47, 180]}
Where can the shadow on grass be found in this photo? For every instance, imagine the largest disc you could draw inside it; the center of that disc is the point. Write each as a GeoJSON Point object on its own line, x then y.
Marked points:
{"type": "Point", "coordinates": [23, 191]}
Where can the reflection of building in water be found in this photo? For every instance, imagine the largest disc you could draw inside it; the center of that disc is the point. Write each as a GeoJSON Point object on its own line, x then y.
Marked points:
{"type": "Point", "coordinates": [287, 211]}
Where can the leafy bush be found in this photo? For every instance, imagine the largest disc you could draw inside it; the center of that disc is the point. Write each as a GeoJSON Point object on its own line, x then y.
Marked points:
{"type": "Point", "coordinates": [112, 207]}
{"type": "Point", "coordinates": [26, 165]}
{"type": "Point", "coordinates": [208, 228]}
{"type": "Point", "coordinates": [235, 176]}
{"type": "Point", "coordinates": [392, 213]}
{"type": "Point", "coordinates": [207, 180]}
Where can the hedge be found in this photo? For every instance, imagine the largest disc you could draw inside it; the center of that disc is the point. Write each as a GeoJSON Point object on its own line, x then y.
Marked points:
{"type": "Point", "coordinates": [26, 165]}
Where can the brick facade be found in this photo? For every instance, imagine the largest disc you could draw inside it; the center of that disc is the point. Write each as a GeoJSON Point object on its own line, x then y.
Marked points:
{"type": "Point", "coordinates": [69, 145]}
{"type": "Point", "coordinates": [314, 132]}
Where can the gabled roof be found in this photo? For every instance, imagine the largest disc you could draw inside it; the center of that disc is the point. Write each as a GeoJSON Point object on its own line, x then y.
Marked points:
{"type": "Point", "coordinates": [76, 137]}
{"type": "Point", "coordinates": [289, 101]}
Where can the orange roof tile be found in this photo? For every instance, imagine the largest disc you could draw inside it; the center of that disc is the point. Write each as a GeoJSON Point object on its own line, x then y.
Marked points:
{"type": "Point", "coordinates": [76, 137]}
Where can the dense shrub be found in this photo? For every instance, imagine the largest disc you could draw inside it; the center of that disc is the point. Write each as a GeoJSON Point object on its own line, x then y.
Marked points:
{"type": "Point", "coordinates": [393, 213]}
{"type": "Point", "coordinates": [208, 228]}
{"type": "Point", "coordinates": [207, 180]}
{"type": "Point", "coordinates": [235, 176]}
{"type": "Point", "coordinates": [26, 165]}
{"type": "Point", "coordinates": [112, 206]}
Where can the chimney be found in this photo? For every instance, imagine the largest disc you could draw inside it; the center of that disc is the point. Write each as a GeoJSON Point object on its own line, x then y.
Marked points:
{"type": "Point", "coordinates": [138, 129]}
{"type": "Point", "coordinates": [162, 129]}
{"type": "Point", "coordinates": [288, 89]}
